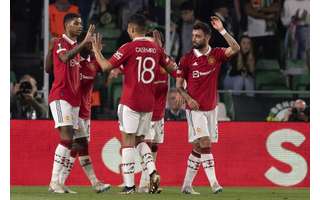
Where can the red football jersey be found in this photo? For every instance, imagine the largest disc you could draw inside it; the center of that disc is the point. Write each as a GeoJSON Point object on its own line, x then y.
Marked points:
{"type": "Point", "coordinates": [161, 90]}
{"type": "Point", "coordinates": [88, 72]}
{"type": "Point", "coordinates": [141, 60]}
{"type": "Point", "coordinates": [201, 72]}
{"type": "Point", "coordinates": [66, 82]}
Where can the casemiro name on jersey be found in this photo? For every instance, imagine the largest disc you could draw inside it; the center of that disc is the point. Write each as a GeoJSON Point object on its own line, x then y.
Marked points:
{"type": "Point", "coordinates": [145, 50]}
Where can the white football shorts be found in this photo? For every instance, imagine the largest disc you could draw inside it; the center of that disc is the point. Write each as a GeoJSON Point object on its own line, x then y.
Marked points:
{"type": "Point", "coordinates": [64, 114]}
{"type": "Point", "coordinates": [132, 122]}
{"type": "Point", "coordinates": [156, 133]}
{"type": "Point", "coordinates": [83, 130]}
{"type": "Point", "coordinates": [202, 123]}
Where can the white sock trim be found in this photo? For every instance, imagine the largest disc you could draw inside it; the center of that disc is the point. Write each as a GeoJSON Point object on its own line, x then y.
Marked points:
{"type": "Point", "coordinates": [60, 155]}
{"type": "Point", "coordinates": [193, 165]}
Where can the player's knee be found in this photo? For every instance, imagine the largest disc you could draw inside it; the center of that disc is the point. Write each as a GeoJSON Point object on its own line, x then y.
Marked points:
{"type": "Point", "coordinates": [154, 148]}
{"type": "Point", "coordinates": [66, 143]}
{"type": "Point", "coordinates": [80, 145]}
{"type": "Point", "coordinates": [196, 146]}
{"type": "Point", "coordinates": [206, 150]}
{"type": "Point", "coordinates": [139, 139]}
{"type": "Point", "coordinates": [128, 140]}
{"type": "Point", "coordinates": [205, 142]}
{"type": "Point", "coordinates": [82, 142]}
{"type": "Point", "coordinates": [66, 132]}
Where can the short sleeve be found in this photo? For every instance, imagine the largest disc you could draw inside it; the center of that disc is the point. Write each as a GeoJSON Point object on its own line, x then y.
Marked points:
{"type": "Point", "coordinates": [121, 56]}
{"type": "Point", "coordinates": [219, 54]}
{"type": "Point", "coordinates": [182, 71]}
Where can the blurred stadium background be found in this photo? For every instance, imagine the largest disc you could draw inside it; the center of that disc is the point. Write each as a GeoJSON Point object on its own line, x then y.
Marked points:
{"type": "Point", "coordinates": [260, 145]}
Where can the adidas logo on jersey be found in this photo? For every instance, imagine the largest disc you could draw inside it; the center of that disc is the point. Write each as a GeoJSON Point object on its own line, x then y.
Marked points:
{"type": "Point", "coordinates": [195, 64]}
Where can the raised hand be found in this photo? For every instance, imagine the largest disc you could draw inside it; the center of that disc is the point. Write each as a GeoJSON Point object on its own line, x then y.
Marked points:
{"type": "Point", "coordinates": [157, 37]}
{"type": "Point", "coordinates": [89, 36]}
{"type": "Point", "coordinates": [97, 42]}
{"type": "Point", "coordinates": [216, 23]}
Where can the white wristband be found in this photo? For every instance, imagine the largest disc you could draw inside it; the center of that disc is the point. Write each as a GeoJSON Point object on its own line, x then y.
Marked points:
{"type": "Point", "coordinates": [223, 32]}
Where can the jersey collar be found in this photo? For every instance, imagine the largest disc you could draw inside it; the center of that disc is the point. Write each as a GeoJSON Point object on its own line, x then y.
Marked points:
{"type": "Point", "coordinates": [197, 53]}
{"type": "Point", "coordinates": [142, 38]}
{"type": "Point", "coordinates": [69, 40]}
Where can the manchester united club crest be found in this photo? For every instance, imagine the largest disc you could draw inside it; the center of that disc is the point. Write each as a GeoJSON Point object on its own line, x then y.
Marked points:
{"type": "Point", "coordinates": [211, 60]}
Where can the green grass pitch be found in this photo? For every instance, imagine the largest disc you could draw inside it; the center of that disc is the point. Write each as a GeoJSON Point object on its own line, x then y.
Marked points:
{"type": "Point", "coordinates": [169, 193]}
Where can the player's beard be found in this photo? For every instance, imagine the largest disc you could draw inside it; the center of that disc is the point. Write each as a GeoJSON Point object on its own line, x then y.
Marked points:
{"type": "Point", "coordinates": [198, 45]}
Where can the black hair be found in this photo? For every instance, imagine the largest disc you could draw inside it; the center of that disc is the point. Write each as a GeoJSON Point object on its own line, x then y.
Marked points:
{"type": "Point", "coordinates": [202, 26]}
{"type": "Point", "coordinates": [69, 17]}
{"type": "Point", "coordinates": [138, 20]}
{"type": "Point", "coordinates": [245, 36]}
{"type": "Point", "coordinates": [187, 5]}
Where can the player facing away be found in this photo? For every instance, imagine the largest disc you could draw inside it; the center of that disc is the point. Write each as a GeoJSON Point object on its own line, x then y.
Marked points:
{"type": "Point", "coordinates": [64, 97]}
{"type": "Point", "coordinates": [155, 136]}
{"type": "Point", "coordinates": [200, 69]}
{"type": "Point", "coordinates": [88, 71]}
{"type": "Point", "coordinates": [140, 59]}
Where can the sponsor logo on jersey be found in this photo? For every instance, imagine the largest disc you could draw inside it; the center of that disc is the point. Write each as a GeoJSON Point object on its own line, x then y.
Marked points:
{"type": "Point", "coordinates": [197, 74]}
{"type": "Point", "coordinates": [84, 77]}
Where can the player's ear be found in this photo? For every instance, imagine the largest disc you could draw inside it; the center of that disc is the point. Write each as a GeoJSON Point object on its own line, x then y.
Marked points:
{"type": "Point", "coordinates": [208, 36]}
{"type": "Point", "coordinates": [130, 29]}
{"type": "Point", "coordinates": [67, 24]}
{"type": "Point", "coordinates": [133, 29]}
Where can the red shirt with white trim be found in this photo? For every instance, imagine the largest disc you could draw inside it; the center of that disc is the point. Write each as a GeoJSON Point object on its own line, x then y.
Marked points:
{"type": "Point", "coordinates": [201, 72]}
{"type": "Point", "coordinates": [88, 72]}
{"type": "Point", "coordinates": [66, 82]}
{"type": "Point", "coordinates": [141, 60]}
{"type": "Point", "coordinates": [161, 90]}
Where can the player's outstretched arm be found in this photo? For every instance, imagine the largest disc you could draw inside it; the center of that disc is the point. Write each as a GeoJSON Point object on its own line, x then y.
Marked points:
{"type": "Point", "coordinates": [234, 47]}
{"type": "Point", "coordinates": [64, 57]}
{"type": "Point", "coordinates": [190, 101]}
{"type": "Point", "coordinates": [96, 48]}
